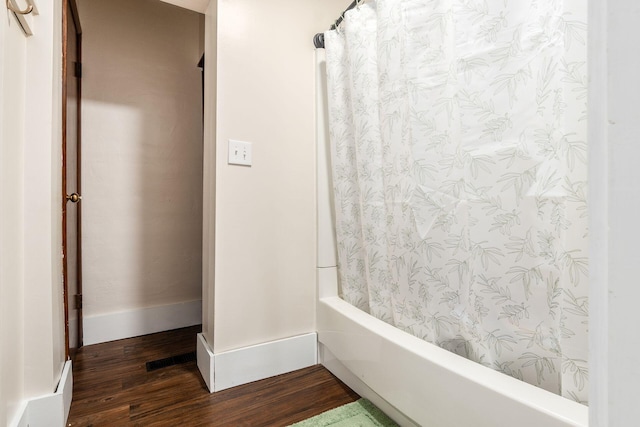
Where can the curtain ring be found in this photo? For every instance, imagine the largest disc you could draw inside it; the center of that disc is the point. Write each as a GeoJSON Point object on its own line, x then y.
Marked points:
{"type": "Point", "coordinates": [14, 9]}
{"type": "Point", "coordinates": [341, 20]}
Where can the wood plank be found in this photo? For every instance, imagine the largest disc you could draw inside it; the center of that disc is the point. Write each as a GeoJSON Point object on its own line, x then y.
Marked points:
{"type": "Point", "coordinates": [112, 387]}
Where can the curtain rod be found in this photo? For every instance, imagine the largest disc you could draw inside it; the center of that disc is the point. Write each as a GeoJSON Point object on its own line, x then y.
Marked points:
{"type": "Point", "coordinates": [318, 39]}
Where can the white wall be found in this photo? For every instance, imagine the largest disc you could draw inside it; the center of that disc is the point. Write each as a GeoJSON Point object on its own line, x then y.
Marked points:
{"type": "Point", "coordinates": [44, 311]}
{"type": "Point", "coordinates": [614, 197]}
{"type": "Point", "coordinates": [254, 294]}
{"type": "Point", "coordinates": [31, 311]}
{"type": "Point", "coordinates": [265, 214]}
{"type": "Point", "coordinates": [142, 155]}
{"type": "Point", "coordinates": [209, 169]}
{"type": "Point", "coordinates": [12, 50]}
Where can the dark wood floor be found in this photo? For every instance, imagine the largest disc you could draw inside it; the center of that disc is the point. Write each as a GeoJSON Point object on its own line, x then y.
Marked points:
{"type": "Point", "coordinates": [113, 388]}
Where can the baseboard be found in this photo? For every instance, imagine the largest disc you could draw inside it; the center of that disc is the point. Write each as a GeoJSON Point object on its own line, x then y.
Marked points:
{"type": "Point", "coordinates": [232, 368]}
{"type": "Point", "coordinates": [51, 410]}
{"type": "Point", "coordinates": [133, 323]}
{"type": "Point", "coordinates": [206, 360]}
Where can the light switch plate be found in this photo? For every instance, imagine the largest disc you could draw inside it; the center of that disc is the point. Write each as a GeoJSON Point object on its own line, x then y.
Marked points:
{"type": "Point", "coordinates": [239, 153]}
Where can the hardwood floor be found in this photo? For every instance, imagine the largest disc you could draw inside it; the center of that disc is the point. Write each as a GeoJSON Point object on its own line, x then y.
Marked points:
{"type": "Point", "coordinates": [113, 388]}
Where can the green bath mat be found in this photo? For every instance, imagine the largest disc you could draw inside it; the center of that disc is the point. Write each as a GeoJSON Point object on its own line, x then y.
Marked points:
{"type": "Point", "coordinates": [361, 413]}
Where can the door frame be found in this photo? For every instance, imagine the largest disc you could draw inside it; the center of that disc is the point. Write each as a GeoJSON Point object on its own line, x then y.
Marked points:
{"type": "Point", "coordinates": [73, 19]}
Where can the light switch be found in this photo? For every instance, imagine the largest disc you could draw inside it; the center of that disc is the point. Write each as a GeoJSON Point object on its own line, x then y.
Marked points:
{"type": "Point", "coordinates": [239, 153]}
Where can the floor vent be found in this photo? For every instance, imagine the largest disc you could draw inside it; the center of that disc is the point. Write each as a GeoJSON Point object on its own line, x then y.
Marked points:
{"type": "Point", "coordinates": [170, 361]}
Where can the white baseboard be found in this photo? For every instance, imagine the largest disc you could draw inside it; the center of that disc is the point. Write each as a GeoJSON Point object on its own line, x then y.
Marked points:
{"type": "Point", "coordinates": [133, 323]}
{"type": "Point", "coordinates": [206, 361]}
{"type": "Point", "coordinates": [51, 410]}
{"type": "Point", "coordinates": [232, 368]}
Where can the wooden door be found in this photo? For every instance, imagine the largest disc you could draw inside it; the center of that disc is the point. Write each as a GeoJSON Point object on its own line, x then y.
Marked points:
{"type": "Point", "coordinates": [71, 176]}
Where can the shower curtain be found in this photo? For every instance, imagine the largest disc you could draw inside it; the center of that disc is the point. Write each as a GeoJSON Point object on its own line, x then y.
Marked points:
{"type": "Point", "coordinates": [458, 135]}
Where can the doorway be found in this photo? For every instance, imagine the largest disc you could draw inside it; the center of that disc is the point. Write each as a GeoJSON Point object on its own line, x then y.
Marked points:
{"type": "Point", "coordinates": [71, 176]}
{"type": "Point", "coordinates": [141, 168]}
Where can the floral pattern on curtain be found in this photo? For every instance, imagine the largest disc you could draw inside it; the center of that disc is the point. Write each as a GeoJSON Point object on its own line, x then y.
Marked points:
{"type": "Point", "coordinates": [458, 134]}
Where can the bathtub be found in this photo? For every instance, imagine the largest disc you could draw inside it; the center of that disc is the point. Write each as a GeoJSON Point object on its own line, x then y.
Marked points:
{"type": "Point", "coordinates": [413, 381]}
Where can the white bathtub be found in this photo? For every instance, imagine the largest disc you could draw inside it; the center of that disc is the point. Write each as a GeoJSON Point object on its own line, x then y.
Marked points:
{"type": "Point", "coordinates": [415, 382]}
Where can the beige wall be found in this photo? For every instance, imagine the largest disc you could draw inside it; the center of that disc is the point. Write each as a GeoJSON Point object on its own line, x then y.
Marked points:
{"type": "Point", "coordinates": [43, 302]}
{"type": "Point", "coordinates": [12, 50]}
{"type": "Point", "coordinates": [142, 155]}
{"type": "Point", "coordinates": [31, 312]}
{"type": "Point", "coordinates": [265, 214]}
{"type": "Point", "coordinates": [209, 169]}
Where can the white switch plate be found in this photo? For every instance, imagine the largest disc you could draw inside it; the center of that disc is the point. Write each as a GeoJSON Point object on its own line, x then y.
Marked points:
{"type": "Point", "coordinates": [239, 153]}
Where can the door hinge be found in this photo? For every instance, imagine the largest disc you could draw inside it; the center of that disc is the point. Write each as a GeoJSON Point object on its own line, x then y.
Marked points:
{"type": "Point", "coordinates": [78, 299]}
{"type": "Point", "coordinates": [77, 67]}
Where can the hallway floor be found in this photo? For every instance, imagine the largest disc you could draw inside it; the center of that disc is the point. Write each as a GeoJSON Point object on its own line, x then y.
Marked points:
{"type": "Point", "coordinates": [113, 388]}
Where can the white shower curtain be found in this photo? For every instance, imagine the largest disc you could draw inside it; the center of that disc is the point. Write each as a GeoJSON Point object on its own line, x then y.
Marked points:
{"type": "Point", "coordinates": [458, 132]}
